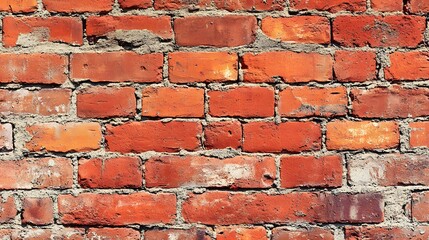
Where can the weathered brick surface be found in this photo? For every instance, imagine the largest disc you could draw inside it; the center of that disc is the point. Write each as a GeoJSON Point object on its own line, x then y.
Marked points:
{"type": "Point", "coordinates": [214, 119]}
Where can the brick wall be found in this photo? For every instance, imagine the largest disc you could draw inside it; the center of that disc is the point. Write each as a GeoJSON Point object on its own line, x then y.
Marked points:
{"type": "Point", "coordinates": [214, 119]}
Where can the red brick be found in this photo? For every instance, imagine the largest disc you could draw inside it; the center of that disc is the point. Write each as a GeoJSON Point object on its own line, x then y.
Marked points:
{"type": "Point", "coordinates": [153, 136]}
{"type": "Point", "coordinates": [121, 172]}
{"type": "Point", "coordinates": [45, 102]}
{"type": "Point", "coordinates": [407, 66]}
{"type": "Point", "coordinates": [172, 102]}
{"type": "Point", "coordinates": [226, 134]}
{"type": "Point", "coordinates": [225, 31]}
{"type": "Point", "coordinates": [418, 6]}
{"type": "Point", "coordinates": [291, 67]}
{"type": "Point", "coordinates": [349, 135]}
{"type": "Point", "coordinates": [27, 68]}
{"type": "Point", "coordinates": [387, 6]}
{"type": "Point", "coordinates": [21, 31]}
{"type": "Point", "coordinates": [7, 210]}
{"type": "Point", "coordinates": [250, 5]}
{"type": "Point", "coordinates": [420, 206]}
{"type": "Point", "coordinates": [394, 233]}
{"type": "Point", "coordinates": [78, 6]}
{"type": "Point", "coordinates": [36, 174]}
{"type": "Point", "coordinates": [388, 170]}
{"type": "Point", "coordinates": [419, 135]}
{"type": "Point", "coordinates": [14, 6]}
{"type": "Point", "coordinates": [300, 29]}
{"type": "Point", "coordinates": [241, 233]}
{"type": "Point", "coordinates": [229, 5]}
{"type": "Point", "coordinates": [309, 101]}
{"type": "Point", "coordinates": [113, 233]}
{"type": "Point", "coordinates": [356, 66]}
{"type": "Point", "coordinates": [25, 234]}
{"type": "Point", "coordinates": [329, 5]}
{"type": "Point", "coordinates": [284, 137]}
{"type": "Point", "coordinates": [392, 102]}
{"type": "Point", "coordinates": [68, 137]}
{"type": "Point", "coordinates": [179, 234]}
{"type": "Point", "coordinates": [39, 233]}
{"type": "Point", "coordinates": [117, 67]}
{"type": "Point", "coordinates": [117, 209]}
{"type": "Point", "coordinates": [242, 102]}
{"type": "Point", "coordinates": [202, 67]}
{"type": "Point", "coordinates": [240, 208]}
{"type": "Point", "coordinates": [135, 4]}
{"type": "Point", "coordinates": [377, 31]}
{"type": "Point", "coordinates": [105, 102]}
{"type": "Point", "coordinates": [102, 26]}
{"type": "Point", "coordinates": [314, 233]}
{"type": "Point", "coordinates": [6, 137]}
{"type": "Point", "coordinates": [38, 211]}
{"type": "Point", "coordinates": [198, 171]}
{"type": "Point", "coordinates": [309, 171]}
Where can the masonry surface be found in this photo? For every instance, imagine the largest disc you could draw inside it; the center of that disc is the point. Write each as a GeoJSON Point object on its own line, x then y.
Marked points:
{"type": "Point", "coordinates": [214, 119]}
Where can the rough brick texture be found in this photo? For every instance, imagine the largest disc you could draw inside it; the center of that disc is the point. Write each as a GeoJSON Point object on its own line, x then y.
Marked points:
{"type": "Point", "coordinates": [214, 119]}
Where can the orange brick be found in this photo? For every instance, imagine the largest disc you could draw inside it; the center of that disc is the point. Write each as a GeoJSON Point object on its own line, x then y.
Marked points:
{"type": "Point", "coordinates": [407, 66]}
{"type": "Point", "coordinates": [27, 68]}
{"type": "Point", "coordinates": [329, 5]}
{"type": "Point", "coordinates": [419, 136]}
{"type": "Point", "coordinates": [135, 4]}
{"type": "Point", "coordinates": [269, 137]}
{"type": "Point", "coordinates": [302, 234]}
{"type": "Point", "coordinates": [28, 30]}
{"type": "Point", "coordinates": [392, 102]}
{"type": "Point", "coordinates": [117, 209]}
{"type": "Point", "coordinates": [14, 6]}
{"type": "Point", "coordinates": [241, 233]}
{"type": "Point", "coordinates": [117, 67]}
{"type": "Point", "coordinates": [78, 6]}
{"type": "Point", "coordinates": [308, 171]}
{"type": "Point", "coordinates": [153, 136]}
{"type": "Point", "coordinates": [349, 135]}
{"type": "Point", "coordinates": [69, 137]}
{"type": "Point", "coordinates": [202, 67]}
{"type": "Point", "coordinates": [229, 5]}
{"type": "Point", "coordinates": [45, 102]}
{"type": "Point", "coordinates": [105, 102]}
{"type": "Point", "coordinates": [224, 31]}
{"type": "Point", "coordinates": [242, 102]}
{"type": "Point", "coordinates": [122, 172]}
{"type": "Point", "coordinates": [378, 31]}
{"type": "Point", "coordinates": [387, 6]}
{"type": "Point", "coordinates": [291, 67]}
{"type": "Point", "coordinates": [301, 29]}
{"type": "Point", "coordinates": [223, 135]}
{"type": "Point", "coordinates": [102, 26]}
{"type": "Point", "coordinates": [190, 171]}
{"type": "Point", "coordinates": [172, 102]}
{"type": "Point", "coordinates": [36, 174]}
{"type": "Point", "coordinates": [309, 101]}
{"type": "Point", "coordinates": [227, 208]}
{"type": "Point", "coordinates": [356, 66]}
